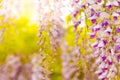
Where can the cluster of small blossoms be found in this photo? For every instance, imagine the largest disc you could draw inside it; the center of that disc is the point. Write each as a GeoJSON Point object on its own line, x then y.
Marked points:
{"type": "Point", "coordinates": [10, 9]}
{"type": "Point", "coordinates": [39, 71]}
{"type": "Point", "coordinates": [55, 34]}
{"type": "Point", "coordinates": [70, 69]}
{"type": "Point", "coordinates": [49, 11]}
{"type": "Point", "coordinates": [11, 69]}
{"type": "Point", "coordinates": [14, 69]}
{"type": "Point", "coordinates": [70, 58]}
{"type": "Point", "coordinates": [25, 72]}
{"type": "Point", "coordinates": [105, 18]}
{"type": "Point", "coordinates": [50, 21]}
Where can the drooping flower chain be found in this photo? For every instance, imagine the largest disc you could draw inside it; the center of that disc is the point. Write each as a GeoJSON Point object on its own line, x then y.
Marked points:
{"type": "Point", "coordinates": [10, 9]}
{"type": "Point", "coordinates": [39, 70]}
{"type": "Point", "coordinates": [70, 69]}
{"type": "Point", "coordinates": [105, 17]}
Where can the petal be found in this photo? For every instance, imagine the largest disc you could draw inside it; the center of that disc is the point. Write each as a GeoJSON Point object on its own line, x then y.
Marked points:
{"type": "Point", "coordinates": [104, 15]}
{"type": "Point", "coordinates": [115, 14]}
{"type": "Point", "coordinates": [115, 3]}
{"type": "Point", "coordinates": [117, 29]}
{"type": "Point", "coordinates": [117, 47]}
{"type": "Point", "coordinates": [118, 57]}
{"type": "Point", "coordinates": [97, 27]}
{"type": "Point", "coordinates": [95, 44]}
{"type": "Point", "coordinates": [109, 30]}
{"type": "Point", "coordinates": [104, 41]}
{"type": "Point", "coordinates": [101, 44]}
{"type": "Point", "coordinates": [92, 35]}
{"type": "Point", "coordinates": [96, 7]}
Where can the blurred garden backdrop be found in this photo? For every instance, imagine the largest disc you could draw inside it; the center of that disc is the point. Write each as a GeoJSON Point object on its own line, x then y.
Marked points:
{"type": "Point", "coordinates": [59, 39]}
{"type": "Point", "coordinates": [19, 36]}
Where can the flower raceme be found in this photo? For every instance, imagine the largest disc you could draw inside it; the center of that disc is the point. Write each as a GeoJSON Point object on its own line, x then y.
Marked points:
{"type": "Point", "coordinates": [102, 20]}
{"type": "Point", "coordinates": [105, 18]}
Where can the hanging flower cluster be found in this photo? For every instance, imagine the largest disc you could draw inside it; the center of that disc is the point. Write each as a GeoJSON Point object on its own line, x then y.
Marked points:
{"type": "Point", "coordinates": [70, 70]}
{"type": "Point", "coordinates": [14, 69]}
{"type": "Point", "coordinates": [10, 9]}
{"type": "Point", "coordinates": [51, 20]}
{"type": "Point", "coordinates": [39, 71]}
{"type": "Point", "coordinates": [11, 69]}
{"type": "Point", "coordinates": [102, 20]}
{"type": "Point", "coordinates": [104, 17]}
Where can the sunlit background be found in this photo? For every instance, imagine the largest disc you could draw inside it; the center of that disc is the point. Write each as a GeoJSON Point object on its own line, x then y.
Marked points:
{"type": "Point", "coordinates": [59, 39]}
{"type": "Point", "coordinates": [20, 37]}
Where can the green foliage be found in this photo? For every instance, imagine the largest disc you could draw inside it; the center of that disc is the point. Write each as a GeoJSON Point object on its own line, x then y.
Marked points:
{"type": "Point", "coordinates": [56, 70]}
{"type": "Point", "coordinates": [70, 36]}
{"type": "Point", "coordinates": [20, 38]}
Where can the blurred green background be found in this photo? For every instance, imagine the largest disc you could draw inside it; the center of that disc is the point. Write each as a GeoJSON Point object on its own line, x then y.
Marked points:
{"type": "Point", "coordinates": [20, 37]}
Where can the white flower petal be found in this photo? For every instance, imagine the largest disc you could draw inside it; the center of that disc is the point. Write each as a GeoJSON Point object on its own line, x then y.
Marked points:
{"type": "Point", "coordinates": [115, 3]}
{"type": "Point", "coordinates": [115, 14]}
{"type": "Point", "coordinates": [104, 15]}
{"type": "Point", "coordinates": [103, 75]}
